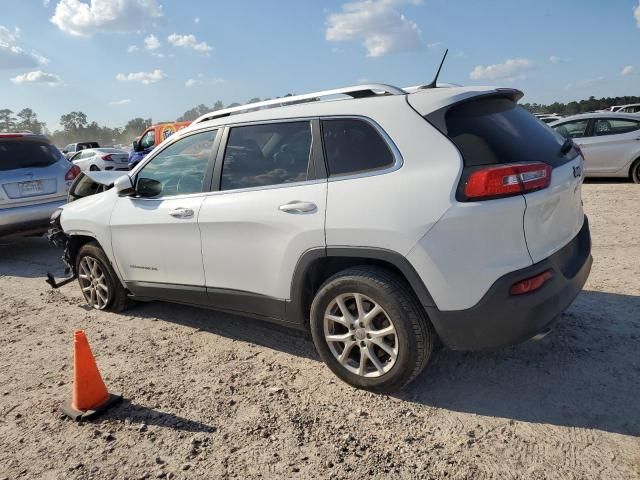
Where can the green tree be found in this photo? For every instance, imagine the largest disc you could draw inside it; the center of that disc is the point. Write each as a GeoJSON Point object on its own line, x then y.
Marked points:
{"type": "Point", "coordinates": [7, 120]}
{"type": "Point", "coordinates": [28, 120]}
{"type": "Point", "coordinates": [73, 121]}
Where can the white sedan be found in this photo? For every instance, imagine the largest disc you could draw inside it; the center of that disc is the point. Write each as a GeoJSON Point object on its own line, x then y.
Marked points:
{"type": "Point", "coordinates": [610, 142]}
{"type": "Point", "coordinates": [95, 159]}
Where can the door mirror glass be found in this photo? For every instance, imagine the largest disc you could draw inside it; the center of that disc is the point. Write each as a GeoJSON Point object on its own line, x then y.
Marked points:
{"type": "Point", "coordinates": [148, 187]}
{"type": "Point", "coordinates": [136, 146]}
{"type": "Point", "coordinates": [123, 186]}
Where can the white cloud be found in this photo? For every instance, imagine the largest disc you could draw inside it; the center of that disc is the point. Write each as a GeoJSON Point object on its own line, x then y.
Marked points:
{"type": "Point", "coordinates": [376, 24]}
{"type": "Point", "coordinates": [146, 78]}
{"type": "Point", "coordinates": [45, 2]}
{"type": "Point", "coordinates": [200, 80]}
{"type": "Point", "coordinates": [509, 70]}
{"type": "Point", "coordinates": [38, 77]}
{"type": "Point", "coordinates": [188, 41]}
{"type": "Point", "coordinates": [12, 55]}
{"type": "Point", "coordinates": [433, 45]}
{"type": "Point", "coordinates": [196, 20]}
{"type": "Point", "coordinates": [132, 48]}
{"type": "Point", "coordinates": [151, 42]}
{"type": "Point", "coordinates": [628, 70]}
{"type": "Point", "coordinates": [556, 59]}
{"type": "Point", "coordinates": [636, 13]}
{"type": "Point", "coordinates": [124, 101]}
{"type": "Point", "coordinates": [79, 18]}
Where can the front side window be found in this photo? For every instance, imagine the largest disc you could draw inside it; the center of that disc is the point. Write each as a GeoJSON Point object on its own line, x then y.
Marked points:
{"type": "Point", "coordinates": [614, 126]}
{"type": "Point", "coordinates": [353, 146]}
{"type": "Point", "coordinates": [577, 129]}
{"type": "Point", "coordinates": [178, 169]}
{"type": "Point", "coordinates": [269, 154]}
{"type": "Point", "coordinates": [148, 140]}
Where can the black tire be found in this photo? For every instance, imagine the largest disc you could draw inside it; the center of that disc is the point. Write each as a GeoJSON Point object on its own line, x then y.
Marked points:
{"type": "Point", "coordinates": [94, 168]}
{"type": "Point", "coordinates": [117, 298]}
{"type": "Point", "coordinates": [414, 334]}
{"type": "Point", "coordinates": [635, 171]}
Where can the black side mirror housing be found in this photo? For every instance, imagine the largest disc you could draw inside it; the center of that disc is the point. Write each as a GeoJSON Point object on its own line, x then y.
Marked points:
{"type": "Point", "coordinates": [124, 186]}
{"type": "Point", "coordinates": [136, 146]}
{"type": "Point", "coordinates": [148, 187]}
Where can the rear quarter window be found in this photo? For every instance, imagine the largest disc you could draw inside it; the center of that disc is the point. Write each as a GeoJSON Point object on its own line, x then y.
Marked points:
{"type": "Point", "coordinates": [354, 146]}
{"type": "Point", "coordinates": [490, 131]}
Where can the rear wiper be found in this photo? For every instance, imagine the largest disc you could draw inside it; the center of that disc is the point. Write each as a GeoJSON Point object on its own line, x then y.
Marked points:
{"type": "Point", "coordinates": [566, 146]}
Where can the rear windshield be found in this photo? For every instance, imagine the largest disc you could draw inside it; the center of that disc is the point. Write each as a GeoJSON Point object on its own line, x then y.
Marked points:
{"type": "Point", "coordinates": [16, 154]}
{"type": "Point", "coordinates": [84, 145]}
{"type": "Point", "coordinates": [488, 131]}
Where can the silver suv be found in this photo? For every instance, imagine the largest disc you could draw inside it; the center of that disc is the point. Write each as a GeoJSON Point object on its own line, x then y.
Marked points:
{"type": "Point", "coordinates": [34, 181]}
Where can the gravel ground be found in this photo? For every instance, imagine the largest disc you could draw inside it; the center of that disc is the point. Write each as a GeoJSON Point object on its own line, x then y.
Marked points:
{"type": "Point", "coordinates": [211, 395]}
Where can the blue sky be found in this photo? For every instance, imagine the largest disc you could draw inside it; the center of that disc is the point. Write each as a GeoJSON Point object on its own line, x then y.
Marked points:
{"type": "Point", "coordinates": [118, 59]}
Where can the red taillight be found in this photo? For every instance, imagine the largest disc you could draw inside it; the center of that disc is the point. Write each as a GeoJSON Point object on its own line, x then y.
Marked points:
{"type": "Point", "coordinates": [11, 135]}
{"type": "Point", "coordinates": [107, 158]}
{"type": "Point", "coordinates": [579, 149]}
{"type": "Point", "coordinates": [530, 284]}
{"type": "Point", "coordinates": [72, 173]}
{"type": "Point", "coordinates": [504, 180]}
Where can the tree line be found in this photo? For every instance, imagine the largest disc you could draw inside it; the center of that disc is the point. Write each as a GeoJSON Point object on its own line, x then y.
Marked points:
{"type": "Point", "coordinates": [583, 106]}
{"type": "Point", "coordinates": [76, 127]}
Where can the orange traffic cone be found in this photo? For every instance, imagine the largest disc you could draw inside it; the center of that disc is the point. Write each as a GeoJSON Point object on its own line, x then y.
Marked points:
{"type": "Point", "coordinates": [90, 395]}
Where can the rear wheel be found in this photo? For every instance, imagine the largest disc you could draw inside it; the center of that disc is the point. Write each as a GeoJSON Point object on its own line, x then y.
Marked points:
{"type": "Point", "coordinates": [635, 171]}
{"type": "Point", "coordinates": [99, 284]}
{"type": "Point", "coordinates": [370, 330]}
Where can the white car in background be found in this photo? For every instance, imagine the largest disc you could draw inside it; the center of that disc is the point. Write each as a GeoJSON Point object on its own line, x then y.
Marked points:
{"type": "Point", "coordinates": [631, 108]}
{"type": "Point", "coordinates": [95, 159]}
{"type": "Point", "coordinates": [610, 142]}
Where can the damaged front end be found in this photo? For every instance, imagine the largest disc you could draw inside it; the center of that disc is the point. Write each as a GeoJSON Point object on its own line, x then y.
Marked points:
{"type": "Point", "coordinates": [58, 238]}
{"type": "Point", "coordinates": [86, 184]}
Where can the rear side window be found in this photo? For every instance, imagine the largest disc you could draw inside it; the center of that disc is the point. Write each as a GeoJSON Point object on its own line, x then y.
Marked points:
{"type": "Point", "coordinates": [270, 154]}
{"type": "Point", "coordinates": [353, 146]}
{"type": "Point", "coordinates": [16, 154]}
{"type": "Point", "coordinates": [491, 131]}
{"type": "Point", "coordinates": [614, 126]}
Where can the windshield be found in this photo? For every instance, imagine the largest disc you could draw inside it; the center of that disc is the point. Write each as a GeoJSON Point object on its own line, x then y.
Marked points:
{"type": "Point", "coordinates": [16, 154]}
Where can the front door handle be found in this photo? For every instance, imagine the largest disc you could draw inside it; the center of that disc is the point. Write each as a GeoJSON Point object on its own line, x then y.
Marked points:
{"type": "Point", "coordinates": [298, 207]}
{"type": "Point", "coordinates": [182, 213]}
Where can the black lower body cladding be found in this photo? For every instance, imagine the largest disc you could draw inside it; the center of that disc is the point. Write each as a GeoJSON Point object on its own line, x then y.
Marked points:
{"type": "Point", "coordinates": [501, 319]}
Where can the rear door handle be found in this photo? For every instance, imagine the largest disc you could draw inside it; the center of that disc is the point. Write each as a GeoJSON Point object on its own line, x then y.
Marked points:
{"type": "Point", "coordinates": [182, 213]}
{"type": "Point", "coordinates": [298, 207]}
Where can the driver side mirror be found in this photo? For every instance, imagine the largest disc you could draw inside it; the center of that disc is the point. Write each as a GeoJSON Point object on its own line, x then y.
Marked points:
{"type": "Point", "coordinates": [148, 187]}
{"type": "Point", "coordinates": [124, 186]}
{"type": "Point", "coordinates": [136, 146]}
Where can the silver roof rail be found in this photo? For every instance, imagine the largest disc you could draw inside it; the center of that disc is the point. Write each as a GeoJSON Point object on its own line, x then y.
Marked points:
{"type": "Point", "coordinates": [357, 91]}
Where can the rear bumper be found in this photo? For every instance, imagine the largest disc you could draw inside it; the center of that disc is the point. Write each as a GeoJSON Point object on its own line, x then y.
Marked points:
{"type": "Point", "coordinates": [500, 318]}
{"type": "Point", "coordinates": [27, 219]}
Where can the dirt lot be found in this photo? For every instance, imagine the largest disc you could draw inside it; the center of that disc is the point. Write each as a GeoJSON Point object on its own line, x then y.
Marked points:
{"type": "Point", "coordinates": [211, 395]}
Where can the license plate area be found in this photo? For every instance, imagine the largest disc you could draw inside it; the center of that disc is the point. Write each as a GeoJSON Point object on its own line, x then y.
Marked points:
{"type": "Point", "coordinates": [33, 187]}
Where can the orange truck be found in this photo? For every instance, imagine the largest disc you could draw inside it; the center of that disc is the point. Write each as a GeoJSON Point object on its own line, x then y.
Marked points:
{"type": "Point", "coordinates": [152, 136]}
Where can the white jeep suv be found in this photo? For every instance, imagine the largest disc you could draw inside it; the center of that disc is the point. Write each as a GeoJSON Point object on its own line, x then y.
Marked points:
{"type": "Point", "coordinates": [381, 222]}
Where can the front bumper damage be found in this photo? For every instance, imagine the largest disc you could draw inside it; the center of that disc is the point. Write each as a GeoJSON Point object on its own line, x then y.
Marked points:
{"type": "Point", "coordinates": [59, 239]}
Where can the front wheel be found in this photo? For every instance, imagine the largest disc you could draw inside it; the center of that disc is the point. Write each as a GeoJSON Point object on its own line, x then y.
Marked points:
{"type": "Point", "coordinates": [99, 284]}
{"type": "Point", "coordinates": [370, 330]}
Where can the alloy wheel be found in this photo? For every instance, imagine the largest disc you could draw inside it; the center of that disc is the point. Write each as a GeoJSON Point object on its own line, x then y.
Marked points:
{"type": "Point", "coordinates": [360, 335]}
{"type": "Point", "coordinates": [93, 283]}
